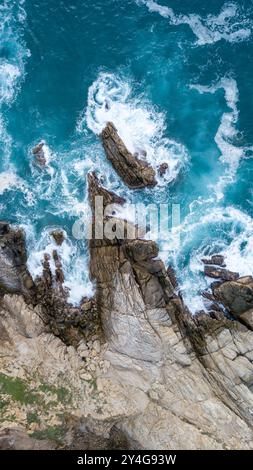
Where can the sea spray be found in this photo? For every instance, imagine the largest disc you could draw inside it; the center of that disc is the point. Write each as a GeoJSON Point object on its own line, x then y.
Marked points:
{"type": "Point", "coordinates": [140, 125]}
{"type": "Point", "coordinates": [231, 24]}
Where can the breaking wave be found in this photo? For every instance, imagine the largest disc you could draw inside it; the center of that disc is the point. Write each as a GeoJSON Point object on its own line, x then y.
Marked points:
{"type": "Point", "coordinates": [231, 24]}
{"type": "Point", "coordinates": [141, 126]}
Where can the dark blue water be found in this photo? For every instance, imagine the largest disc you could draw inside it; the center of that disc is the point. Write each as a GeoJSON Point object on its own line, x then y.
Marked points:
{"type": "Point", "coordinates": [178, 79]}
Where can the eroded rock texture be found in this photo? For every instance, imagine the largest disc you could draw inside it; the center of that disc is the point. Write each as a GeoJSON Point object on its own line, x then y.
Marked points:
{"type": "Point", "coordinates": [192, 372]}
{"type": "Point", "coordinates": [135, 172]}
{"type": "Point", "coordinates": [237, 296]}
{"type": "Point", "coordinates": [14, 276]}
{"type": "Point", "coordinates": [159, 377]}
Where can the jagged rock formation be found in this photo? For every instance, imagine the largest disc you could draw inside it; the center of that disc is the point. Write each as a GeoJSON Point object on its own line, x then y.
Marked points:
{"type": "Point", "coordinates": [220, 273]}
{"type": "Point", "coordinates": [64, 320]}
{"type": "Point", "coordinates": [235, 294]}
{"type": "Point", "coordinates": [39, 154]}
{"type": "Point", "coordinates": [237, 297]}
{"type": "Point", "coordinates": [192, 369]}
{"type": "Point", "coordinates": [135, 172]}
{"type": "Point", "coordinates": [58, 236]}
{"type": "Point", "coordinates": [163, 378]}
{"type": "Point", "coordinates": [14, 276]}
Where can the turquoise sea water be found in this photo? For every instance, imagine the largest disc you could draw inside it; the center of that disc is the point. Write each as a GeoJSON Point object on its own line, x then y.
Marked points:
{"type": "Point", "coordinates": [177, 76]}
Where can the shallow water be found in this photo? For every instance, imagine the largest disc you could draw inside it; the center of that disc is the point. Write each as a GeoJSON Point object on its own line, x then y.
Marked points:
{"type": "Point", "coordinates": [177, 79]}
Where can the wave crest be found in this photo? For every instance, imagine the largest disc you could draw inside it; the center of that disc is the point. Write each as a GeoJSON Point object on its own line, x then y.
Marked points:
{"type": "Point", "coordinates": [231, 24]}
{"type": "Point", "coordinates": [138, 122]}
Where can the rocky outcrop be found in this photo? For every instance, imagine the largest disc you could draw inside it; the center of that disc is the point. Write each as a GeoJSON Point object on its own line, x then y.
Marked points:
{"type": "Point", "coordinates": [158, 377]}
{"type": "Point", "coordinates": [68, 322]}
{"type": "Point", "coordinates": [162, 169]}
{"type": "Point", "coordinates": [220, 273]}
{"type": "Point", "coordinates": [39, 154]}
{"type": "Point", "coordinates": [237, 297]}
{"type": "Point", "coordinates": [217, 260]}
{"type": "Point", "coordinates": [135, 172]}
{"type": "Point", "coordinates": [14, 276]}
{"type": "Point", "coordinates": [189, 369]}
{"type": "Point", "coordinates": [58, 236]}
{"type": "Point", "coordinates": [235, 294]}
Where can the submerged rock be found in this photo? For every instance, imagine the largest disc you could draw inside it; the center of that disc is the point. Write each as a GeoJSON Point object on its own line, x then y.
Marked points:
{"type": "Point", "coordinates": [39, 154]}
{"type": "Point", "coordinates": [58, 236]}
{"type": "Point", "coordinates": [163, 169]}
{"type": "Point", "coordinates": [136, 173]}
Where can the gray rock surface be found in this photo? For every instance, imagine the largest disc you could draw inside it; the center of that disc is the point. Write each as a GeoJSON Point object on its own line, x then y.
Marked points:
{"type": "Point", "coordinates": [160, 377]}
{"type": "Point", "coordinates": [135, 172]}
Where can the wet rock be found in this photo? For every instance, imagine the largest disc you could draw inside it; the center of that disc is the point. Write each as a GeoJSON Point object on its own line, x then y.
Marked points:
{"type": "Point", "coordinates": [39, 154]}
{"type": "Point", "coordinates": [215, 307]}
{"type": "Point", "coordinates": [59, 275]}
{"type": "Point", "coordinates": [220, 273]}
{"type": "Point", "coordinates": [208, 295]}
{"type": "Point", "coordinates": [95, 188]}
{"type": "Point", "coordinates": [14, 276]}
{"type": "Point", "coordinates": [58, 236]}
{"type": "Point", "coordinates": [215, 284]}
{"type": "Point", "coordinates": [217, 260]}
{"type": "Point", "coordinates": [172, 276]}
{"type": "Point", "coordinates": [236, 296]}
{"type": "Point", "coordinates": [4, 228]}
{"type": "Point", "coordinates": [135, 173]}
{"type": "Point", "coordinates": [163, 169]}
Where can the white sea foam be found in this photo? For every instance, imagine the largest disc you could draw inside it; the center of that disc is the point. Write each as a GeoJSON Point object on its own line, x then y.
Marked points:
{"type": "Point", "coordinates": [47, 153]}
{"type": "Point", "coordinates": [9, 181]}
{"type": "Point", "coordinates": [231, 154]}
{"type": "Point", "coordinates": [12, 17]}
{"type": "Point", "coordinates": [9, 74]}
{"type": "Point", "coordinates": [227, 231]}
{"type": "Point", "coordinates": [139, 124]}
{"type": "Point", "coordinates": [230, 24]}
{"type": "Point", "coordinates": [75, 266]}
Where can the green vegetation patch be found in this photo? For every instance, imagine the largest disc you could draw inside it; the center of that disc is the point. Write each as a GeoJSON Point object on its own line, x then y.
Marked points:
{"type": "Point", "coordinates": [52, 433]}
{"type": "Point", "coordinates": [62, 393]}
{"type": "Point", "coordinates": [32, 417]}
{"type": "Point", "coordinates": [17, 389]}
